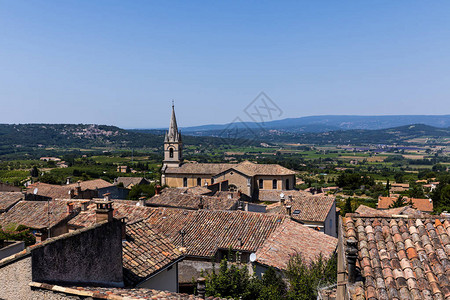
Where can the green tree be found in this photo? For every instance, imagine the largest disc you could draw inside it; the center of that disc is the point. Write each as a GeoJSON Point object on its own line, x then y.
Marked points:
{"type": "Point", "coordinates": [400, 202]}
{"type": "Point", "coordinates": [142, 190]}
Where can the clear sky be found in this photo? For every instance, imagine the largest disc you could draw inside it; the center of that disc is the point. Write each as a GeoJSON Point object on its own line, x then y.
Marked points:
{"type": "Point", "coordinates": [122, 62]}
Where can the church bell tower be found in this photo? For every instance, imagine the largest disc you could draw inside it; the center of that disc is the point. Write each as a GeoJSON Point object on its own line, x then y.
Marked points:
{"type": "Point", "coordinates": [172, 144]}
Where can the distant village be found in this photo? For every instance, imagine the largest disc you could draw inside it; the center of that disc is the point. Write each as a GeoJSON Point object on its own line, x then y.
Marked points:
{"type": "Point", "coordinates": [91, 243]}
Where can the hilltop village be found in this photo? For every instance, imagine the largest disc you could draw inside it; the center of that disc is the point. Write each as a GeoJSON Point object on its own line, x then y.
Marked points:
{"type": "Point", "coordinates": [204, 221]}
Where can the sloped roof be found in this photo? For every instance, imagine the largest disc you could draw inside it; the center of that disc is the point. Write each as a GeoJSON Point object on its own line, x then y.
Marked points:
{"type": "Point", "coordinates": [127, 181]}
{"type": "Point", "coordinates": [402, 258]}
{"type": "Point", "coordinates": [115, 293]}
{"type": "Point", "coordinates": [312, 208]}
{"type": "Point", "coordinates": [274, 195]}
{"type": "Point", "coordinates": [55, 191]}
{"type": "Point", "coordinates": [366, 211]}
{"type": "Point", "coordinates": [208, 231]}
{"type": "Point", "coordinates": [420, 204]}
{"type": "Point", "coordinates": [8, 199]}
{"type": "Point", "coordinates": [145, 252]}
{"type": "Point", "coordinates": [34, 214]}
{"type": "Point", "coordinates": [199, 168]}
{"type": "Point", "coordinates": [253, 169]}
{"type": "Point", "coordinates": [291, 238]}
{"type": "Point", "coordinates": [175, 197]}
{"type": "Point", "coordinates": [133, 213]}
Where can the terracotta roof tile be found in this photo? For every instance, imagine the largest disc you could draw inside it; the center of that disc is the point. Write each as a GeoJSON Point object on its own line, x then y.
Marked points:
{"type": "Point", "coordinates": [145, 252]}
{"type": "Point", "coordinates": [402, 258]}
{"type": "Point", "coordinates": [181, 198]}
{"type": "Point", "coordinates": [291, 238]}
{"type": "Point", "coordinates": [8, 199]}
{"type": "Point", "coordinates": [425, 205]}
{"type": "Point", "coordinates": [305, 207]}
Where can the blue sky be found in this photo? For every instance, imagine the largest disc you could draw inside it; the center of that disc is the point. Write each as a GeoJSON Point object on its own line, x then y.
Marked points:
{"type": "Point", "coordinates": [122, 62]}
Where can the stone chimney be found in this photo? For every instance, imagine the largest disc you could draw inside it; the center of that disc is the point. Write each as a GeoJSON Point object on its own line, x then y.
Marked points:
{"type": "Point", "coordinates": [40, 236]}
{"type": "Point", "coordinates": [200, 204]}
{"type": "Point", "coordinates": [351, 252]}
{"type": "Point", "coordinates": [157, 190]}
{"type": "Point", "coordinates": [78, 189]}
{"type": "Point", "coordinates": [288, 209]}
{"type": "Point", "coordinates": [107, 196]}
{"type": "Point", "coordinates": [141, 201]}
{"type": "Point", "coordinates": [104, 211]}
{"type": "Point", "coordinates": [201, 287]}
{"type": "Point", "coordinates": [68, 179]}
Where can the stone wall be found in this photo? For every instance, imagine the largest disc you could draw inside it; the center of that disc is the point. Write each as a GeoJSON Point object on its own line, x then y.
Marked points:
{"type": "Point", "coordinates": [91, 256]}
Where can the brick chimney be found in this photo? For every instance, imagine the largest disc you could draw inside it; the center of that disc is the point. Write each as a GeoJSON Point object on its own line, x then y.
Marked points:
{"type": "Point", "coordinates": [78, 189]}
{"type": "Point", "coordinates": [84, 205]}
{"type": "Point", "coordinates": [70, 207]}
{"type": "Point", "coordinates": [104, 211]}
{"type": "Point", "coordinates": [40, 236]}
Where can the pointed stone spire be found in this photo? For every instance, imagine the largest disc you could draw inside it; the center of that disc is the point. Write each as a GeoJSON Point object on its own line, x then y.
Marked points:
{"type": "Point", "coordinates": [173, 135]}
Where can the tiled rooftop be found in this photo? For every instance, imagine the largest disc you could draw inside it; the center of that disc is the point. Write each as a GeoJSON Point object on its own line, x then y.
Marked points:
{"type": "Point", "coordinates": [274, 195]}
{"type": "Point", "coordinates": [420, 204]}
{"type": "Point", "coordinates": [402, 258]}
{"type": "Point", "coordinates": [133, 213]}
{"type": "Point", "coordinates": [365, 211]}
{"type": "Point", "coordinates": [291, 238]}
{"type": "Point", "coordinates": [181, 198]}
{"type": "Point", "coordinates": [145, 252]}
{"type": "Point", "coordinates": [305, 207]}
{"type": "Point", "coordinates": [114, 293]}
{"type": "Point", "coordinates": [55, 191]}
{"type": "Point", "coordinates": [246, 167]}
{"type": "Point", "coordinates": [127, 181]}
{"type": "Point", "coordinates": [208, 231]}
{"type": "Point", "coordinates": [34, 214]}
{"type": "Point", "coordinates": [8, 199]}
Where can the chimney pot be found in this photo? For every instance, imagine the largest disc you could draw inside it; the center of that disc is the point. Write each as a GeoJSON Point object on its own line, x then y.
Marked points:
{"type": "Point", "coordinates": [201, 287]}
{"type": "Point", "coordinates": [104, 211]}
{"type": "Point", "coordinates": [107, 196]}
{"type": "Point", "coordinates": [70, 207]}
{"type": "Point", "coordinates": [288, 209]}
{"type": "Point", "coordinates": [141, 201]}
{"type": "Point", "coordinates": [351, 252]}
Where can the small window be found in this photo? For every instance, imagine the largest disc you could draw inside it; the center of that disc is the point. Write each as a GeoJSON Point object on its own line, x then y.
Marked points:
{"type": "Point", "coordinates": [287, 184]}
{"type": "Point", "coordinates": [199, 181]}
{"type": "Point", "coordinates": [274, 184]}
{"type": "Point", "coordinates": [212, 180]}
{"type": "Point", "coordinates": [171, 152]}
{"type": "Point", "coordinates": [261, 184]}
{"type": "Point", "coordinates": [184, 182]}
{"type": "Point", "coordinates": [296, 212]}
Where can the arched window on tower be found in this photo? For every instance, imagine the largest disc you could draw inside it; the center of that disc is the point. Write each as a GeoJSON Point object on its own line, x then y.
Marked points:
{"type": "Point", "coordinates": [171, 152]}
{"type": "Point", "coordinates": [184, 182]}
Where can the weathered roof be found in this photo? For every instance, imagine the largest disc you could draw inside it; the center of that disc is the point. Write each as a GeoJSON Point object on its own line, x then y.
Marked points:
{"type": "Point", "coordinates": [253, 169]}
{"type": "Point", "coordinates": [34, 214]}
{"type": "Point", "coordinates": [312, 208]}
{"type": "Point", "coordinates": [114, 293]}
{"type": "Point", "coordinates": [199, 168]}
{"type": "Point", "coordinates": [127, 181]}
{"type": "Point", "coordinates": [55, 191]}
{"type": "Point", "coordinates": [176, 197]}
{"type": "Point", "coordinates": [402, 258]}
{"type": "Point", "coordinates": [274, 195]}
{"type": "Point", "coordinates": [145, 252]}
{"type": "Point", "coordinates": [420, 204]}
{"type": "Point", "coordinates": [8, 199]}
{"type": "Point", "coordinates": [291, 238]}
{"type": "Point", "coordinates": [366, 211]}
{"type": "Point", "coordinates": [132, 213]}
{"type": "Point", "coordinates": [208, 231]}
{"type": "Point", "coordinates": [246, 167]}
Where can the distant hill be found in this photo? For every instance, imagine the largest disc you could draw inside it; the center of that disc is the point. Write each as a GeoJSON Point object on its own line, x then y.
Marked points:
{"type": "Point", "coordinates": [19, 136]}
{"type": "Point", "coordinates": [330, 123]}
{"type": "Point", "coordinates": [418, 134]}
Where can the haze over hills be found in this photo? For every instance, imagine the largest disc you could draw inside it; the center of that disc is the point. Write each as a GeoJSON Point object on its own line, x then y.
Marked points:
{"type": "Point", "coordinates": [330, 123]}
